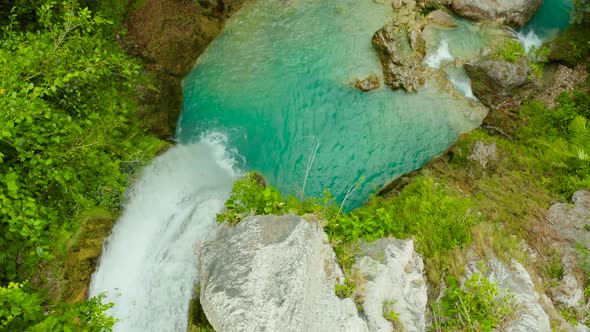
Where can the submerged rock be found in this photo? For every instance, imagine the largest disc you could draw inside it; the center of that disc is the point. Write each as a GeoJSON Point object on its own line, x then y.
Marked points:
{"type": "Point", "coordinates": [483, 154]}
{"type": "Point", "coordinates": [370, 83]}
{"type": "Point", "coordinates": [442, 18]}
{"type": "Point", "coordinates": [273, 273]}
{"type": "Point", "coordinates": [400, 56]}
{"type": "Point", "coordinates": [529, 315]}
{"type": "Point", "coordinates": [395, 274]}
{"type": "Point", "coordinates": [499, 82]}
{"type": "Point", "coordinates": [515, 13]}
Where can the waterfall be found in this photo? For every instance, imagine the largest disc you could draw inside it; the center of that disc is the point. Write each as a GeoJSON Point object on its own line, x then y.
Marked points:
{"type": "Point", "coordinates": [148, 268]}
{"type": "Point", "coordinates": [529, 40]}
{"type": "Point", "coordinates": [442, 54]}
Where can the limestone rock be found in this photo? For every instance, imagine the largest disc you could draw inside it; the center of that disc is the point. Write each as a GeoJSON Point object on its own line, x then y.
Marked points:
{"type": "Point", "coordinates": [395, 280]}
{"type": "Point", "coordinates": [499, 82]}
{"type": "Point", "coordinates": [530, 315]}
{"type": "Point", "coordinates": [273, 273]}
{"type": "Point", "coordinates": [402, 65]}
{"type": "Point", "coordinates": [483, 153]}
{"type": "Point", "coordinates": [572, 221]}
{"type": "Point", "coordinates": [370, 83]}
{"type": "Point", "coordinates": [442, 18]}
{"type": "Point", "coordinates": [515, 13]}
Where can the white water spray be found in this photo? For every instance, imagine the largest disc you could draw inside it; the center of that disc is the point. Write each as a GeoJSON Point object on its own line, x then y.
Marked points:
{"type": "Point", "coordinates": [441, 55]}
{"type": "Point", "coordinates": [148, 268]}
{"type": "Point", "coordinates": [529, 40]}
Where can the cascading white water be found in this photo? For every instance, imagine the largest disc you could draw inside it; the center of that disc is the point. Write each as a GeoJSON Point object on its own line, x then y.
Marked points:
{"type": "Point", "coordinates": [441, 55]}
{"type": "Point", "coordinates": [148, 268]}
{"type": "Point", "coordinates": [529, 40]}
{"type": "Point", "coordinates": [458, 77]}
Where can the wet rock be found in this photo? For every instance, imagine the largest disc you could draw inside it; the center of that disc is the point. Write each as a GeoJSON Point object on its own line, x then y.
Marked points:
{"type": "Point", "coordinates": [395, 282]}
{"type": "Point", "coordinates": [273, 273]}
{"type": "Point", "coordinates": [499, 82]}
{"type": "Point", "coordinates": [82, 256]}
{"type": "Point", "coordinates": [515, 13]}
{"type": "Point", "coordinates": [442, 18]}
{"type": "Point", "coordinates": [402, 65]}
{"type": "Point", "coordinates": [530, 315]}
{"type": "Point", "coordinates": [372, 82]}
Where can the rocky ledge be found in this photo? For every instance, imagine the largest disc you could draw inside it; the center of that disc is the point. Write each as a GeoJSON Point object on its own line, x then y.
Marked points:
{"type": "Point", "coordinates": [515, 13]}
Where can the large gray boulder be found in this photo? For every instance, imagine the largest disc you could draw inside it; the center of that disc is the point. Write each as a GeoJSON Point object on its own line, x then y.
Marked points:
{"type": "Point", "coordinates": [498, 83]}
{"type": "Point", "coordinates": [395, 282]}
{"type": "Point", "coordinates": [515, 13]}
{"type": "Point", "coordinates": [272, 273]}
{"type": "Point", "coordinates": [401, 55]}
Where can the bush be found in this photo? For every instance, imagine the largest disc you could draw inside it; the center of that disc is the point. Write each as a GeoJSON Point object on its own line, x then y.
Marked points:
{"type": "Point", "coordinates": [478, 306]}
{"type": "Point", "coordinates": [437, 217]}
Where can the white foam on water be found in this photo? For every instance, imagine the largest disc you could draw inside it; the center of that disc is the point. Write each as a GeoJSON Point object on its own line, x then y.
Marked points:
{"type": "Point", "coordinates": [442, 54]}
{"type": "Point", "coordinates": [149, 268]}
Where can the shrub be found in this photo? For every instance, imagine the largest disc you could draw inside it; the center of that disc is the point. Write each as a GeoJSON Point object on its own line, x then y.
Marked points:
{"type": "Point", "coordinates": [478, 306]}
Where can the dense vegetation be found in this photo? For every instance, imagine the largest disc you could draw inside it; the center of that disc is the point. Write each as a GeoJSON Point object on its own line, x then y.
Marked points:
{"type": "Point", "coordinates": [69, 140]}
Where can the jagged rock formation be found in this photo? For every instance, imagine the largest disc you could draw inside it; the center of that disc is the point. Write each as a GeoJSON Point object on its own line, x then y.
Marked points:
{"type": "Point", "coordinates": [400, 59]}
{"type": "Point", "coordinates": [529, 315]}
{"type": "Point", "coordinates": [169, 35]}
{"type": "Point", "coordinates": [498, 83]}
{"type": "Point", "coordinates": [515, 13]}
{"type": "Point", "coordinates": [273, 273]}
{"type": "Point", "coordinates": [395, 274]}
{"type": "Point", "coordinates": [573, 221]}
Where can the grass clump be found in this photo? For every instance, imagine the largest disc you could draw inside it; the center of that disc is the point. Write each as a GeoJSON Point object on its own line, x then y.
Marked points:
{"type": "Point", "coordinates": [477, 306]}
{"type": "Point", "coordinates": [250, 196]}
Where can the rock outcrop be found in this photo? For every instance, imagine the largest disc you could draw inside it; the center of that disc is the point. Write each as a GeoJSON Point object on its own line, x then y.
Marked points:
{"type": "Point", "coordinates": [529, 315]}
{"type": "Point", "coordinates": [401, 59]}
{"type": "Point", "coordinates": [370, 83]}
{"type": "Point", "coordinates": [82, 256]}
{"type": "Point", "coordinates": [498, 83]}
{"type": "Point", "coordinates": [395, 281]}
{"type": "Point", "coordinates": [515, 13]}
{"type": "Point", "coordinates": [273, 273]}
{"type": "Point", "coordinates": [442, 18]}
{"type": "Point", "coordinates": [169, 35]}
{"type": "Point", "coordinates": [572, 221]}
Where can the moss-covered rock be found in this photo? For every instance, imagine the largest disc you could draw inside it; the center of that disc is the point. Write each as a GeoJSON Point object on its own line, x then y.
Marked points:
{"type": "Point", "coordinates": [169, 35]}
{"type": "Point", "coordinates": [82, 256]}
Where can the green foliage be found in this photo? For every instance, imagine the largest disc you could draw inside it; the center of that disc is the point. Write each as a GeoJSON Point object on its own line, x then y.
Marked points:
{"type": "Point", "coordinates": [510, 50]}
{"type": "Point", "coordinates": [437, 217]}
{"type": "Point", "coordinates": [392, 316]}
{"type": "Point", "coordinates": [572, 47]}
{"type": "Point", "coordinates": [22, 311]}
{"type": "Point", "coordinates": [68, 132]}
{"type": "Point", "coordinates": [344, 290]}
{"type": "Point", "coordinates": [249, 196]}
{"type": "Point", "coordinates": [478, 306]}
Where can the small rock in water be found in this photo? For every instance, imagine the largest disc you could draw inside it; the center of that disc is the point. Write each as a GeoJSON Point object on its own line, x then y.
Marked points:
{"type": "Point", "coordinates": [372, 82]}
